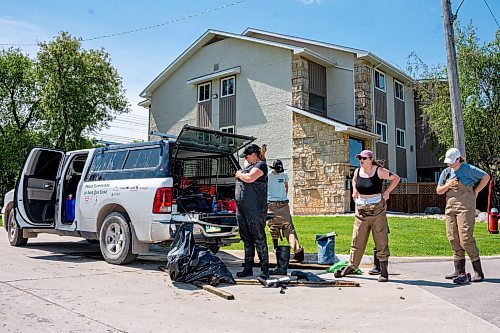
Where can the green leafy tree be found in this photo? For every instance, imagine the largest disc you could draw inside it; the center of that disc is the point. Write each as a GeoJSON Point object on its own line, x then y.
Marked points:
{"type": "Point", "coordinates": [478, 69]}
{"type": "Point", "coordinates": [19, 114]}
{"type": "Point", "coordinates": [80, 91]}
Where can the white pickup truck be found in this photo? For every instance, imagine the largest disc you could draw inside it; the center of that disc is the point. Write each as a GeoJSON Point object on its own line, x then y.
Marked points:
{"type": "Point", "coordinates": [129, 196]}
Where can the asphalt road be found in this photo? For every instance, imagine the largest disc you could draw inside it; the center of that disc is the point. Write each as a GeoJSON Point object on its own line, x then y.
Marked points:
{"type": "Point", "coordinates": [60, 284]}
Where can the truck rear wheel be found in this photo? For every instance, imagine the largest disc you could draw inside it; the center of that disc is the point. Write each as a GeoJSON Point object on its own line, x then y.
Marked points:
{"type": "Point", "coordinates": [14, 232]}
{"type": "Point", "coordinates": [115, 240]}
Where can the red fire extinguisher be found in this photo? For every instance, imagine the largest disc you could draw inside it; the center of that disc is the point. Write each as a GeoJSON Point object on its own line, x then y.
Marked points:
{"type": "Point", "coordinates": [493, 214]}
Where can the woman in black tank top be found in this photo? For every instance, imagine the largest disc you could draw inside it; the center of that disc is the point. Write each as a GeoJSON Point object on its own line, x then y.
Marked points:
{"type": "Point", "coordinates": [370, 214]}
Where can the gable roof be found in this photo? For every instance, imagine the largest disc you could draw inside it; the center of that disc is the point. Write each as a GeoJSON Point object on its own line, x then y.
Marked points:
{"type": "Point", "coordinates": [211, 36]}
{"type": "Point", "coordinates": [208, 37]}
{"type": "Point", "coordinates": [361, 54]}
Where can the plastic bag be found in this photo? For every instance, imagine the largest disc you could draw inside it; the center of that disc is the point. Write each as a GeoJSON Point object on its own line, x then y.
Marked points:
{"type": "Point", "coordinates": [326, 248]}
{"type": "Point", "coordinates": [189, 262]}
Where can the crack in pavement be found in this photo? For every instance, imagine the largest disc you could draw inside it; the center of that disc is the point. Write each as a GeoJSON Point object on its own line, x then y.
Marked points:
{"type": "Point", "coordinates": [62, 307]}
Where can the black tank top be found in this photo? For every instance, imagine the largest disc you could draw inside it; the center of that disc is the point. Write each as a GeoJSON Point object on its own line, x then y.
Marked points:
{"type": "Point", "coordinates": [372, 185]}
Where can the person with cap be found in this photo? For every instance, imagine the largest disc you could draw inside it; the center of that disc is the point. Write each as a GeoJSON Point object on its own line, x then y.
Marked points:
{"type": "Point", "coordinates": [277, 203]}
{"type": "Point", "coordinates": [370, 213]}
{"type": "Point", "coordinates": [457, 182]}
{"type": "Point", "coordinates": [251, 210]}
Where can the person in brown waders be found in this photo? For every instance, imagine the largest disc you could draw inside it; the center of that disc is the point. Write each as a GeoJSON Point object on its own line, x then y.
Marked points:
{"type": "Point", "coordinates": [281, 224]}
{"type": "Point", "coordinates": [370, 213]}
{"type": "Point", "coordinates": [251, 209]}
{"type": "Point", "coordinates": [458, 181]}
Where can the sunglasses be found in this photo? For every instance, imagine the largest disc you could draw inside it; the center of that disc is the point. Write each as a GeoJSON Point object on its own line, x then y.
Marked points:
{"type": "Point", "coordinates": [363, 158]}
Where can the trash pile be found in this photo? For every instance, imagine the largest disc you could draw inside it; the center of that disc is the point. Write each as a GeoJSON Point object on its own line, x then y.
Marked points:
{"type": "Point", "coordinates": [189, 262]}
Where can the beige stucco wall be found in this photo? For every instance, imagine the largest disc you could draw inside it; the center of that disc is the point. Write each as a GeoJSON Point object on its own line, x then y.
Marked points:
{"type": "Point", "coordinates": [263, 89]}
{"type": "Point", "coordinates": [320, 167]}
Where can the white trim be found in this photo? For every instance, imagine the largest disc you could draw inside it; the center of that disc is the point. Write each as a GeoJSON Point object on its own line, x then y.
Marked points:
{"type": "Point", "coordinates": [402, 90]}
{"type": "Point", "coordinates": [145, 103]}
{"type": "Point", "coordinates": [226, 128]}
{"type": "Point", "coordinates": [375, 80]}
{"type": "Point", "coordinates": [215, 75]}
{"type": "Point", "coordinates": [385, 125]}
{"type": "Point", "coordinates": [221, 86]}
{"type": "Point", "coordinates": [404, 137]}
{"type": "Point", "coordinates": [339, 127]}
{"type": "Point", "coordinates": [209, 84]}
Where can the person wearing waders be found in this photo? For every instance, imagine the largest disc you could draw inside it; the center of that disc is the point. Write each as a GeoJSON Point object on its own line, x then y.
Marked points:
{"type": "Point", "coordinates": [277, 203]}
{"type": "Point", "coordinates": [458, 181]}
{"type": "Point", "coordinates": [251, 210]}
{"type": "Point", "coordinates": [370, 213]}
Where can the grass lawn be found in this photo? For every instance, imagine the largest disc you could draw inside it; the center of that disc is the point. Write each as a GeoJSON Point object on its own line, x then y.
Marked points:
{"type": "Point", "coordinates": [408, 237]}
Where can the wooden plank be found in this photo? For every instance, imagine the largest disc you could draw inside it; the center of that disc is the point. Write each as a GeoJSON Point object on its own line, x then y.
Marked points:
{"type": "Point", "coordinates": [214, 290]}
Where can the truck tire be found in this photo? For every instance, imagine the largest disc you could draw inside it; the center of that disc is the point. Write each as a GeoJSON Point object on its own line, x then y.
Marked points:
{"type": "Point", "coordinates": [14, 232]}
{"type": "Point", "coordinates": [115, 240]}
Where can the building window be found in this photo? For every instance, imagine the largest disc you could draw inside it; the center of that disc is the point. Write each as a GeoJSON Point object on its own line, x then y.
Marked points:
{"type": "Point", "coordinates": [204, 92]}
{"type": "Point", "coordinates": [355, 147]}
{"type": "Point", "coordinates": [399, 91]}
{"type": "Point", "coordinates": [227, 129]}
{"type": "Point", "coordinates": [227, 86]}
{"type": "Point", "coordinates": [316, 102]}
{"type": "Point", "coordinates": [382, 131]}
{"type": "Point", "coordinates": [379, 80]}
{"type": "Point", "coordinates": [400, 138]}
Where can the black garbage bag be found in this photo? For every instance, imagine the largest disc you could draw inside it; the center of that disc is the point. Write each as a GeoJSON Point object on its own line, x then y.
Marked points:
{"type": "Point", "coordinates": [189, 262]}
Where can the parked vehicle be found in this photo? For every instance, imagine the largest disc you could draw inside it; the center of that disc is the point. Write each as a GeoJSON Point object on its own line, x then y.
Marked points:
{"type": "Point", "coordinates": [129, 196]}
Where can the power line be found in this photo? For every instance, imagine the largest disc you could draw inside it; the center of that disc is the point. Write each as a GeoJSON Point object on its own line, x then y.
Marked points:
{"type": "Point", "coordinates": [144, 28]}
{"type": "Point", "coordinates": [492, 13]}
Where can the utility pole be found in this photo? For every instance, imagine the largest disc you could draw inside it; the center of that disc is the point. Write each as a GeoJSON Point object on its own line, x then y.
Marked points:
{"type": "Point", "coordinates": [451, 60]}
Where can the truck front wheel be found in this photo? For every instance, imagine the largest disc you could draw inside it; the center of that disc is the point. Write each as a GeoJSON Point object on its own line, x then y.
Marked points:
{"type": "Point", "coordinates": [115, 240]}
{"type": "Point", "coordinates": [14, 232]}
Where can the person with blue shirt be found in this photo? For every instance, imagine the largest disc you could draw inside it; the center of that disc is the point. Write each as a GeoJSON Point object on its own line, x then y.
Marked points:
{"type": "Point", "coordinates": [457, 182]}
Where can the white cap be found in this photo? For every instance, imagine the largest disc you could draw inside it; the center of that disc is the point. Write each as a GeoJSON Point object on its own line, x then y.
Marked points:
{"type": "Point", "coordinates": [451, 155]}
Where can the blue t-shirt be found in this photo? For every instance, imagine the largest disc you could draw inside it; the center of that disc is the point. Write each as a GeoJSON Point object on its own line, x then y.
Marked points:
{"type": "Point", "coordinates": [276, 186]}
{"type": "Point", "coordinates": [467, 174]}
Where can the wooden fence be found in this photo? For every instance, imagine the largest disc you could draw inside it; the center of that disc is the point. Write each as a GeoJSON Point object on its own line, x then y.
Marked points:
{"type": "Point", "coordinates": [415, 198]}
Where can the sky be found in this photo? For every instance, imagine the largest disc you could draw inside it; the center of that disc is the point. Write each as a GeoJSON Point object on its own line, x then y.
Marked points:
{"type": "Point", "coordinates": [391, 29]}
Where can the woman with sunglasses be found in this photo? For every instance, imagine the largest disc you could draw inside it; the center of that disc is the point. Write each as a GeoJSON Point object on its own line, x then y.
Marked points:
{"type": "Point", "coordinates": [251, 209]}
{"type": "Point", "coordinates": [458, 181]}
{"type": "Point", "coordinates": [370, 213]}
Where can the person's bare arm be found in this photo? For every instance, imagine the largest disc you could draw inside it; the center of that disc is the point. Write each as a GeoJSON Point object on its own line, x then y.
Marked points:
{"type": "Point", "coordinates": [286, 188]}
{"type": "Point", "coordinates": [383, 173]}
{"type": "Point", "coordinates": [484, 181]}
{"type": "Point", "coordinates": [250, 177]}
{"type": "Point", "coordinates": [355, 192]}
{"type": "Point", "coordinates": [442, 189]}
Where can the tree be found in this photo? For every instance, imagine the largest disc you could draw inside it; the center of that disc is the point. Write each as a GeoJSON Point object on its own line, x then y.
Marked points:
{"type": "Point", "coordinates": [19, 114]}
{"type": "Point", "coordinates": [80, 91]}
{"type": "Point", "coordinates": [478, 68]}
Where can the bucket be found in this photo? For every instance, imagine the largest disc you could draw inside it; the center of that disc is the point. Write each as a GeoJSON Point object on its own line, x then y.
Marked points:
{"type": "Point", "coordinates": [326, 248]}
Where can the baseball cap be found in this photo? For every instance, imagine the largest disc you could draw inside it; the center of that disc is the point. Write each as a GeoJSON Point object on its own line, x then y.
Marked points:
{"type": "Point", "coordinates": [451, 155]}
{"type": "Point", "coordinates": [277, 166]}
{"type": "Point", "coordinates": [365, 153]}
{"type": "Point", "coordinates": [250, 149]}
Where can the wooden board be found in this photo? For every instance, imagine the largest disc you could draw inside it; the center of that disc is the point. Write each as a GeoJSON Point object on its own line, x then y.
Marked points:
{"type": "Point", "coordinates": [214, 290]}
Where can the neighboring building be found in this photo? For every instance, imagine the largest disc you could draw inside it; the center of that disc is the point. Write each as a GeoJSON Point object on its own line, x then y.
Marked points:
{"type": "Point", "coordinates": [314, 104]}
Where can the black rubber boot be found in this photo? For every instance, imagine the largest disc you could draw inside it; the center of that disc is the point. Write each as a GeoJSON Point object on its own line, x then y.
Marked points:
{"type": "Point", "coordinates": [478, 271]}
{"type": "Point", "coordinates": [299, 255]}
{"type": "Point", "coordinates": [248, 268]}
{"type": "Point", "coordinates": [275, 243]}
{"type": "Point", "coordinates": [384, 274]}
{"type": "Point", "coordinates": [459, 268]}
{"type": "Point", "coordinates": [282, 258]}
{"type": "Point", "coordinates": [376, 264]}
{"type": "Point", "coordinates": [263, 257]}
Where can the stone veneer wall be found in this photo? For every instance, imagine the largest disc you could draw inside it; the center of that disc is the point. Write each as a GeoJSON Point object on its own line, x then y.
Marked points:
{"type": "Point", "coordinates": [363, 94]}
{"type": "Point", "coordinates": [300, 82]}
{"type": "Point", "coordinates": [320, 166]}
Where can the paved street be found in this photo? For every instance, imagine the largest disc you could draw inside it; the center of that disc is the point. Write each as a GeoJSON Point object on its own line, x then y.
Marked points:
{"type": "Point", "coordinates": [59, 284]}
